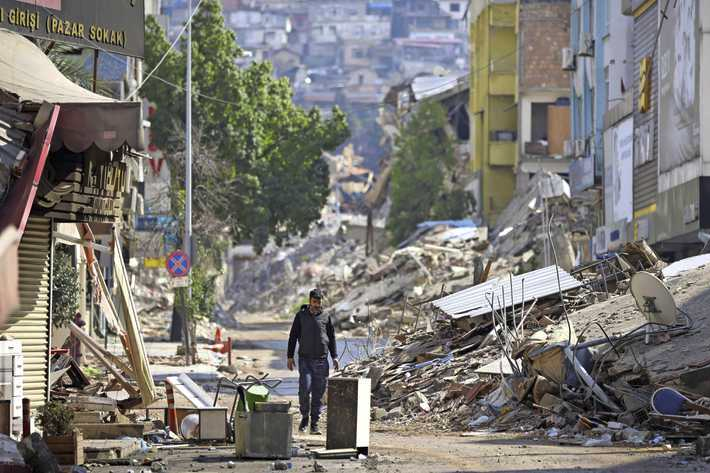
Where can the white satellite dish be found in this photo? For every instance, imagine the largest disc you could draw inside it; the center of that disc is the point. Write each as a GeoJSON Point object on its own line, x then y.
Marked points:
{"type": "Point", "coordinates": [653, 299]}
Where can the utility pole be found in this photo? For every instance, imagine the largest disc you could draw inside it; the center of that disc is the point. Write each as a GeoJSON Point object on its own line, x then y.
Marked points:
{"type": "Point", "coordinates": [187, 240]}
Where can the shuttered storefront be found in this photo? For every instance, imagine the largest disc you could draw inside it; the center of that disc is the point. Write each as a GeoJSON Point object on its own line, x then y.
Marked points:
{"type": "Point", "coordinates": [646, 173]}
{"type": "Point", "coordinates": [30, 323]}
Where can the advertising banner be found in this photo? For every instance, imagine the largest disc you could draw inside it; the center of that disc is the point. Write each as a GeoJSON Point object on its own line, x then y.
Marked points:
{"type": "Point", "coordinates": [679, 87]}
{"type": "Point", "coordinates": [619, 172]}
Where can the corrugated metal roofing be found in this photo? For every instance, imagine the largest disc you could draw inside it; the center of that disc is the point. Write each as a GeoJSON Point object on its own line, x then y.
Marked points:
{"type": "Point", "coordinates": [460, 234]}
{"type": "Point", "coordinates": [429, 86]}
{"type": "Point", "coordinates": [448, 223]}
{"type": "Point", "coordinates": [476, 301]}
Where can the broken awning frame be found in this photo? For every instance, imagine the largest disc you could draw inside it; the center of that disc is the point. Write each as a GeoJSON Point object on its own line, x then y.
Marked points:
{"type": "Point", "coordinates": [16, 210]}
{"type": "Point", "coordinates": [126, 324]}
{"type": "Point", "coordinates": [85, 118]}
{"type": "Point", "coordinates": [476, 301]}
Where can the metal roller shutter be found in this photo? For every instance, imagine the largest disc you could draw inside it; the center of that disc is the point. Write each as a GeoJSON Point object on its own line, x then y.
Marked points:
{"type": "Point", "coordinates": [30, 323]}
{"type": "Point", "coordinates": [646, 175]}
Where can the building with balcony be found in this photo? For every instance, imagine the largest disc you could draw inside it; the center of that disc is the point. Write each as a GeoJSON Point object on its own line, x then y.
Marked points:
{"type": "Point", "coordinates": [519, 98]}
{"type": "Point", "coordinates": [492, 108]}
{"type": "Point", "coordinates": [543, 89]}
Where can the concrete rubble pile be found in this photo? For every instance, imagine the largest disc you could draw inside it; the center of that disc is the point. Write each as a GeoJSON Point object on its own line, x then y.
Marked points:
{"type": "Point", "coordinates": [437, 373]}
{"type": "Point", "coordinates": [388, 290]}
{"type": "Point", "coordinates": [154, 302]}
{"type": "Point", "coordinates": [521, 231]}
{"type": "Point", "coordinates": [443, 257]}
{"type": "Point", "coordinates": [381, 291]}
{"type": "Point", "coordinates": [586, 375]}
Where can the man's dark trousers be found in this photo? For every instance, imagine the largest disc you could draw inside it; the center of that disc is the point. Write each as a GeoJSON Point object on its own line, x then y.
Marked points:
{"type": "Point", "coordinates": [312, 379]}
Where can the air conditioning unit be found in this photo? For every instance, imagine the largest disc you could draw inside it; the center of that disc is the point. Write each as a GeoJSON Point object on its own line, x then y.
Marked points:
{"type": "Point", "coordinates": [568, 149]}
{"type": "Point", "coordinates": [568, 60]}
{"type": "Point", "coordinates": [586, 47]}
{"type": "Point", "coordinates": [579, 148]}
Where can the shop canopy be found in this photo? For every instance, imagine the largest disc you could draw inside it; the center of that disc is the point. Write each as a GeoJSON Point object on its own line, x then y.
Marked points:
{"type": "Point", "coordinates": [85, 118]}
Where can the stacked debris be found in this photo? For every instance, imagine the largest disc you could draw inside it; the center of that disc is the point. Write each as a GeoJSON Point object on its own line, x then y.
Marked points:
{"type": "Point", "coordinates": [436, 374]}
{"type": "Point", "coordinates": [387, 292]}
{"type": "Point", "coordinates": [521, 231]}
{"type": "Point", "coordinates": [507, 367]}
{"type": "Point", "coordinates": [382, 292]}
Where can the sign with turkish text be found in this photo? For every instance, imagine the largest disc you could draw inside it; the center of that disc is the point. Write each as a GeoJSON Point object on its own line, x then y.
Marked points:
{"type": "Point", "coordinates": [112, 25]}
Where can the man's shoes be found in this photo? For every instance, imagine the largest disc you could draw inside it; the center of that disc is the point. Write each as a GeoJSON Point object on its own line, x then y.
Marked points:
{"type": "Point", "coordinates": [315, 430]}
{"type": "Point", "coordinates": [302, 427]}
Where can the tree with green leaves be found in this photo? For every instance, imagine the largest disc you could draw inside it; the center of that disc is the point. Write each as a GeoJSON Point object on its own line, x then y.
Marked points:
{"type": "Point", "coordinates": [271, 180]}
{"type": "Point", "coordinates": [423, 159]}
{"type": "Point", "coordinates": [258, 170]}
{"type": "Point", "coordinates": [65, 287]}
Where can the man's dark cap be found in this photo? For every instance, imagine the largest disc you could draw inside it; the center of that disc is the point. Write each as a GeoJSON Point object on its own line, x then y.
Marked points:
{"type": "Point", "coordinates": [315, 294]}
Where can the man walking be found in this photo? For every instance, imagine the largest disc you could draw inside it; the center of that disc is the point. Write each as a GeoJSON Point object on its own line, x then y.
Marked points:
{"type": "Point", "coordinates": [313, 331]}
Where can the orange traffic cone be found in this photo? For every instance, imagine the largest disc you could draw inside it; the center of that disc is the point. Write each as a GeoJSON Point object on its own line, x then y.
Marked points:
{"type": "Point", "coordinates": [218, 335]}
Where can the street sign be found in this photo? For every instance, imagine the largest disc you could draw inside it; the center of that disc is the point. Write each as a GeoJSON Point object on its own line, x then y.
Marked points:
{"type": "Point", "coordinates": [182, 281]}
{"type": "Point", "coordinates": [154, 263]}
{"type": "Point", "coordinates": [178, 264]}
{"type": "Point", "coordinates": [117, 27]}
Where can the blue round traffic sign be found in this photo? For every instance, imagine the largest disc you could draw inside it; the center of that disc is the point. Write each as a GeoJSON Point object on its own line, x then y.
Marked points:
{"type": "Point", "coordinates": [178, 263]}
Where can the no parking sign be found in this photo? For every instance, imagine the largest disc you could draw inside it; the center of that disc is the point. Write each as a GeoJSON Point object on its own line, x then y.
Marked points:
{"type": "Point", "coordinates": [178, 264]}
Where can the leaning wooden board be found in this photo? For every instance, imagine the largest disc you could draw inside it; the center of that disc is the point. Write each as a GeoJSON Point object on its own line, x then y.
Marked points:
{"type": "Point", "coordinates": [141, 365]}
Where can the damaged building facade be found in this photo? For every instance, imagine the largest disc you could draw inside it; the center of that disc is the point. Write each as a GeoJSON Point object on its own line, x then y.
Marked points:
{"type": "Point", "coordinates": [519, 101]}
{"type": "Point", "coordinates": [638, 120]}
{"type": "Point", "coordinates": [68, 171]}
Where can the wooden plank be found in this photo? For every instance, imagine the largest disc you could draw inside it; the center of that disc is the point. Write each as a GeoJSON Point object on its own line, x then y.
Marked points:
{"type": "Point", "coordinates": [110, 431]}
{"type": "Point", "coordinates": [141, 366]}
{"type": "Point", "coordinates": [55, 376]}
{"type": "Point", "coordinates": [88, 417]}
{"type": "Point", "coordinates": [106, 303]}
{"type": "Point", "coordinates": [92, 403]}
{"type": "Point", "coordinates": [67, 449]}
{"type": "Point", "coordinates": [123, 336]}
{"type": "Point", "coordinates": [108, 355]}
{"type": "Point", "coordinates": [119, 377]}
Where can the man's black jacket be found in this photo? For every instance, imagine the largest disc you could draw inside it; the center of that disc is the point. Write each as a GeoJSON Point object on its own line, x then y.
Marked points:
{"type": "Point", "coordinates": [314, 333]}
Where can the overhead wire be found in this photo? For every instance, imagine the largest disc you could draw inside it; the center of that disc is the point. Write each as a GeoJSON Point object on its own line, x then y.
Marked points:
{"type": "Point", "coordinates": [165, 54]}
{"type": "Point", "coordinates": [152, 74]}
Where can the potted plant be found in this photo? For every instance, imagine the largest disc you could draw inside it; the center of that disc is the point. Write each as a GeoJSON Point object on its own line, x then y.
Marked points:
{"type": "Point", "coordinates": [56, 421]}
